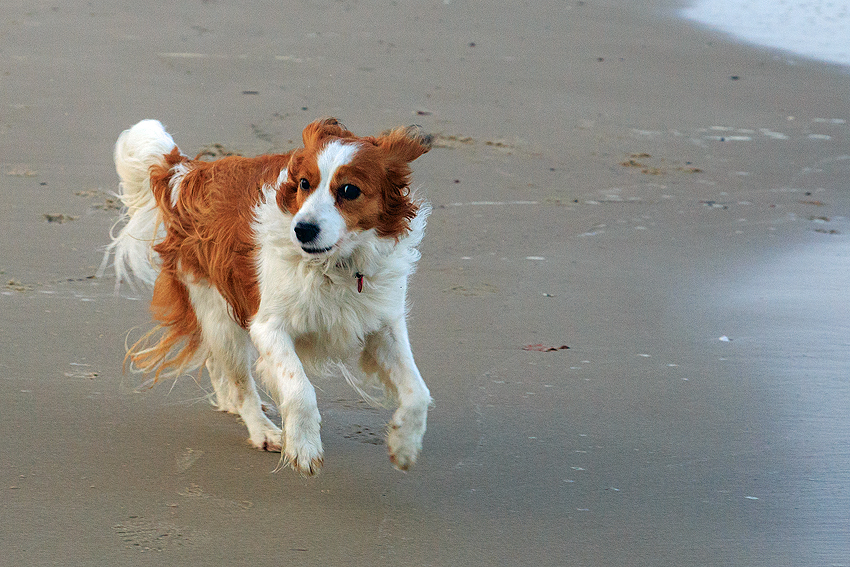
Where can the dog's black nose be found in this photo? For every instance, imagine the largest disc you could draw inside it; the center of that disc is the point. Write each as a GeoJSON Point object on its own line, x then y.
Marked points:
{"type": "Point", "coordinates": [306, 232]}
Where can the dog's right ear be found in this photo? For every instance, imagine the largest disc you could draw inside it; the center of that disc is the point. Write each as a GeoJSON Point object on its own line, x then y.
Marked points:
{"type": "Point", "coordinates": [316, 131]}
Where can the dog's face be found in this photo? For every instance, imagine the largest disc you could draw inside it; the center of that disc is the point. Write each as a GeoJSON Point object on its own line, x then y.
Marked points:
{"type": "Point", "coordinates": [340, 185]}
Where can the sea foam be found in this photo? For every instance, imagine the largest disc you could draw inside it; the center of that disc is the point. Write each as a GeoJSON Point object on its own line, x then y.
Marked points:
{"type": "Point", "coordinates": [815, 29]}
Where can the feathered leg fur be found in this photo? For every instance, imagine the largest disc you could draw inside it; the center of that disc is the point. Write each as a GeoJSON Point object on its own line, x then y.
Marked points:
{"type": "Point", "coordinates": [195, 326]}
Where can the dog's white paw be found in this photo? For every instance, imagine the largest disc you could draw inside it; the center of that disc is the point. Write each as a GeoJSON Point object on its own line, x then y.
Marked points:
{"type": "Point", "coordinates": [303, 447]}
{"type": "Point", "coordinates": [306, 464]}
{"type": "Point", "coordinates": [262, 433]}
{"type": "Point", "coordinates": [404, 442]}
{"type": "Point", "coordinates": [307, 460]}
{"type": "Point", "coordinates": [266, 438]}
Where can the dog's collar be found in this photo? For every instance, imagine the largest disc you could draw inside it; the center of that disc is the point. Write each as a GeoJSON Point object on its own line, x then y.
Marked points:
{"type": "Point", "coordinates": [345, 265]}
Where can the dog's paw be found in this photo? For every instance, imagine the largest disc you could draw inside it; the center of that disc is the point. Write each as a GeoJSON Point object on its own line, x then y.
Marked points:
{"type": "Point", "coordinates": [307, 460]}
{"type": "Point", "coordinates": [262, 433]}
{"type": "Point", "coordinates": [307, 465]}
{"type": "Point", "coordinates": [403, 445]}
{"type": "Point", "coordinates": [267, 439]}
{"type": "Point", "coordinates": [303, 447]}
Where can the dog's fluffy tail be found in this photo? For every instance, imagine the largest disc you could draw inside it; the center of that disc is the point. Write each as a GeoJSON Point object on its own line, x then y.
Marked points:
{"type": "Point", "coordinates": [136, 151]}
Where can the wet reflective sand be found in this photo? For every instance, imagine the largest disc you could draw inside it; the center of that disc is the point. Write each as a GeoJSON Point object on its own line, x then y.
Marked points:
{"type": "Point", "coordinates": [604, 178]}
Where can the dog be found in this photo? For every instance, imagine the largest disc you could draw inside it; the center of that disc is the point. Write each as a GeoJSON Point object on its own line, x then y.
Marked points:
{"type": "Point", "coordinates": [286, 264]}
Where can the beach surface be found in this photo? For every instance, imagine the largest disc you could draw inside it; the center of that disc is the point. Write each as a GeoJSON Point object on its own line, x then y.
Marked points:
{"type": "Point", "coordinates": [667, 203]}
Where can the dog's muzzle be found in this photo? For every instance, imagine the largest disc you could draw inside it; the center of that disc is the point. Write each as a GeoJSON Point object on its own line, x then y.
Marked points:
{"type": "Point", "coordinates": [307, 233]}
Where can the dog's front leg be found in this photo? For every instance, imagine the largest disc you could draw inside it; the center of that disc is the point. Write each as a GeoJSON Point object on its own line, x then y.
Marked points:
{"type": "Point", "coordinates": [283, 374]}
{"type": "Point", "coordinates": [387, 353]}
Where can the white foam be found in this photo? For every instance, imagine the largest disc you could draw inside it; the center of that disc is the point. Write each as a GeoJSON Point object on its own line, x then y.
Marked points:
{"type": "Point", "coordinates": [816, 29]}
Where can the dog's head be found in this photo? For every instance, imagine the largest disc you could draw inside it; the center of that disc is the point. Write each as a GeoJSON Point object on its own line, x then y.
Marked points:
{"type": "Point", "coordinates": [340, 185]}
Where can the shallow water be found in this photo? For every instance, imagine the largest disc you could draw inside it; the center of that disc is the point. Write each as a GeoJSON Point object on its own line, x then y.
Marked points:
{"type": "Point", "coordinates": [816, 29]}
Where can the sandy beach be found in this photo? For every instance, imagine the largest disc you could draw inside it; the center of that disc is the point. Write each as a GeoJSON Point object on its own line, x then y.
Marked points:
{"type": "Point", "coordinates": [668, 203]}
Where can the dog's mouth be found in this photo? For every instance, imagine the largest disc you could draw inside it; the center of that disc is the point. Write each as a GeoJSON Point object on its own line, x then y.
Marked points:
{"type": "Point", "coordinates": [316, 251]}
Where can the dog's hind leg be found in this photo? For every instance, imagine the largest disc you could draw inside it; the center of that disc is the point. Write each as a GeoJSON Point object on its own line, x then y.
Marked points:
{"type": "Point", "coordinates": [229, 365]}
{"type": "Point", "coordinates": [226, 395]}
{"type": "Point", "coordinates": [236, 392]}
{"type": "Point", "coordinates": [387, 353]}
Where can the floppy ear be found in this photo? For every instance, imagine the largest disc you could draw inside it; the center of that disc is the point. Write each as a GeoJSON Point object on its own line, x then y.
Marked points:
{"type": "Point", "coordinates": [401, 146]}
{"type": "Point", "coordinates": [316, 131]}
{"type": "Point", "coordinates": [405, 144]}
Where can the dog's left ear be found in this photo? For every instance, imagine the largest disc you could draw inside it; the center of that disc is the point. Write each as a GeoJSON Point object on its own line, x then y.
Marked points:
{"type": "Point", "coordinates": [405, 144]}
{"type": "Point", "coordinates": [400, 147]}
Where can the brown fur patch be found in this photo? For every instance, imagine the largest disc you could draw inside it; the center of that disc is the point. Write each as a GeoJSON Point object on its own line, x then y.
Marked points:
{"type": "Point", "coordinates": [209, 237]}
{"type": "Point", "coordinates": [379, 168]}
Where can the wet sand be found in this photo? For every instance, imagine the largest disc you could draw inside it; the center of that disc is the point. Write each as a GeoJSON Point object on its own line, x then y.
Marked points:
{"type": "Point", "coordinates": [606, 177]}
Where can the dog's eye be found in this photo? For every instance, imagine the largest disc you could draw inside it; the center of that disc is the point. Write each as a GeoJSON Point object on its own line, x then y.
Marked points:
{"type": "Point", "coordinates": [304, 185]}
{"type": "Point", "coordinates": [349, 192]}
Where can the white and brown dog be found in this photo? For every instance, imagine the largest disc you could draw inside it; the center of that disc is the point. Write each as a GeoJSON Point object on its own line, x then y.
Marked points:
{"type": "Point", "coordinates": [304, 255]}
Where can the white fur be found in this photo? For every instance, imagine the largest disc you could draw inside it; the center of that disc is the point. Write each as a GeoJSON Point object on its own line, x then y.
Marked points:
{"type": "Point", "coordinates": [180, 170]}
{"type": "Point", "coordinates": [310, 313]}
{"type": "Point", "coordinates": [136, 150]}
{"type": "Point", "coordinates": [228, 361]}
